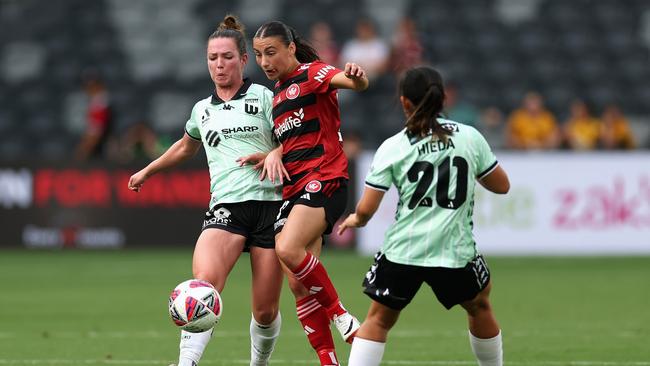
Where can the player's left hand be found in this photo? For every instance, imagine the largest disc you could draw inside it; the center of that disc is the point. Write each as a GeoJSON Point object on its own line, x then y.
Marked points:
{"type": "Point", "coordinates": [257, 159]}
{"type": "Point", "coordinates": [351, 221]}
{"type": "Point", "coordinates": [354, 71]}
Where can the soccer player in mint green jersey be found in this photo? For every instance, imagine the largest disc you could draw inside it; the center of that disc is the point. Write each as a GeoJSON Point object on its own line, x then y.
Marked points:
{"type": "Point", "coordinates": [434, 163]}
{"type": "Point", "coordinates": [234, 122]}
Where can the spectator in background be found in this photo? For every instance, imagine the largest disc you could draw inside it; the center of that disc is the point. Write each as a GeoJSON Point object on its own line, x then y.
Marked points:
{"type": "Point", "coordinates": [582, 130]}
{"type": "Point", "coordinates": [406, 49]}
{"type": "Point", "coordinates": [367, 49]}
{"type": "Point", "coordinates": [616, 132]}
{"type": "Point", "coordinates": [139, 142]}
{"type": "Point", "coordinates": [532, 126]}
{"type": "Point", "coordinates": [95, 139]}
{"type": "Point", "coordinates": [457, 109]}
{"type": "Point", "coordinates": [321, 38]}
{"type": "Point", "coordinates": [492, 127]}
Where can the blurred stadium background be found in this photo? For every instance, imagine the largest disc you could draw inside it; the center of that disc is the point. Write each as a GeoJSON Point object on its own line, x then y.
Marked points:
{"type": "Point", "coordinates": [90, 91]}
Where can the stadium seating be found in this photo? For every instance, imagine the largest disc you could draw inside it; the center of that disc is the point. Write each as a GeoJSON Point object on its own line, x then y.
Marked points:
{"type": "Point", "coordinates": [151, 53]}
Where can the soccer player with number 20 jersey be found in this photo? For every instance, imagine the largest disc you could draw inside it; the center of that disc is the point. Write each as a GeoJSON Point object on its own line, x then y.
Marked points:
{"type": "Point", "coordinates": [434, 163]}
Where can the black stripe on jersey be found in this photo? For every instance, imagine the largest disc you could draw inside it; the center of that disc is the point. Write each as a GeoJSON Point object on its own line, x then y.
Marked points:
{"type": "Point", "coordinates": [304, 154]}
{"type": "Point", "coordinates": [211, 136]}
{"type": "Point", "coordinates": [194, 138]}
{"type": "Point", "coordinates": [487, 171]}
{"type": "Point", "coordinates": [306, 127]}
{"type": "Point", "coordinates": [376, 186]}
{"type": "Point", "coordinates": [295, 178]}
{"type": "Point", "coordinates": [293, 104]}
{"type": "Point", "coordinates": [301, 78]}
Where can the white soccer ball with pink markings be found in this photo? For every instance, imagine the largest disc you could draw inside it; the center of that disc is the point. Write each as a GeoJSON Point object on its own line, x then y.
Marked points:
{"type": "Point", "coordinates": [195, 306]}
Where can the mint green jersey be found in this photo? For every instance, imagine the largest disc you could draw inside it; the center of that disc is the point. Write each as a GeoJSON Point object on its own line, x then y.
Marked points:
{"type": "Point", "coordinates": [435, 181]}
{"type": "Point", "coordinates": [230, 130]}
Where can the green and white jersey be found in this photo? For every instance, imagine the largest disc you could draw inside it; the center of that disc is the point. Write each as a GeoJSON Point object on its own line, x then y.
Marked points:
{"type": "Point", "coordinates": [435, 181]}
{"type": "Point", "coordinates": [230, 130]}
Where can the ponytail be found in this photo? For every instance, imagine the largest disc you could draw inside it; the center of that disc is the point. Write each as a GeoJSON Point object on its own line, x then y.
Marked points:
{"type": "Point", "coordinates": [423, 87]}
{"type": "Point", "coordinates": [305, 52]}
{"type": "Point", "coordinates": [231, 27]}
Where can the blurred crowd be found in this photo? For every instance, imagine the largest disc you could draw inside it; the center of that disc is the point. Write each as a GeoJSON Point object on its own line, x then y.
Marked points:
{"type": "Point", "coordinates": [531, 126]}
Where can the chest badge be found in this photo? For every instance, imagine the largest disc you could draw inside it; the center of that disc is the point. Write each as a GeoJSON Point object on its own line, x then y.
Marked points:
{"type": "Point", "coordinates": [293, 91]}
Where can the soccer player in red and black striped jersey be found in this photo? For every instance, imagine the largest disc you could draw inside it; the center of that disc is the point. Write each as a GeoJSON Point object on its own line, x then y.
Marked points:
{"type": "Point", "coordinates": [307, 124]}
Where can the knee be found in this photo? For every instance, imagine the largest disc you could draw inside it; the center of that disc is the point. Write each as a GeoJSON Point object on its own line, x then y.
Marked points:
{"type": "Point", "coordinates": [287, 254]}
{"type": "Point", "coordinates": [208, 276]}
{"type": "Point", "coordinates": [265, 315]}
{"type": "Point", "coordinates": [480, 304]}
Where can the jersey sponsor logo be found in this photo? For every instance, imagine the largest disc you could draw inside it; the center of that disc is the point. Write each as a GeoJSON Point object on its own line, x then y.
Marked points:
{"type": "Point", "coordinates": [212, 138]}
{"type": "Point", "coordinates": [293, 91]}
{"type": "Point", "coordinates": [293, 121]}
{"type": "Point", "coordinates": [226, 131]}
{"type": "Point", "coordinates": [313, 187]}
{"type": "Point", "coordinates": [320, 75]}
{"type": "Point", "coordinates": [251, 106]}
{"type": "Point", "coordinates": [450, 126]}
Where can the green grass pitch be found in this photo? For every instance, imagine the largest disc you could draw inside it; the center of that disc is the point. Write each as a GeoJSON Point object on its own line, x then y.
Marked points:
{"type": "Point", "coordinates": [109, 308]}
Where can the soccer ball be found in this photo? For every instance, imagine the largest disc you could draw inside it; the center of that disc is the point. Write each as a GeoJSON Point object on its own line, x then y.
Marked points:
{"type": "Point", "coordinates": [195, 306]}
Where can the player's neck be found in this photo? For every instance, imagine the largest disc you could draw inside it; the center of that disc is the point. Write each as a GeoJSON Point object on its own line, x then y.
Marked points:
{"type": "Point", "coordinates": [226, 93]}
{"type": "Point", "coordinates": [292, 68]}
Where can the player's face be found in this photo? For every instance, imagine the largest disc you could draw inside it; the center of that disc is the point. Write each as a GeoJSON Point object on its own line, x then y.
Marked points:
{"type": "Point", "coordinates": [225, 64]}
{"type": "Point", "coordinates": [275, 58]}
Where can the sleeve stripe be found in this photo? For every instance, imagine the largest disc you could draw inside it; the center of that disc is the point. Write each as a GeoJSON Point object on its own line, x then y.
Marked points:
{"type": "Point", "coordinates": [488, 170]}
{"type": "Point", "coordinates": [190, 135]}
{"type": "Point", "coordinates": [376, 186]}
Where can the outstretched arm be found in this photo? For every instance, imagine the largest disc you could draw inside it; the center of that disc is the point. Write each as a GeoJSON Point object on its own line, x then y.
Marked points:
{"type": "Point", "coordinates": [180, 151]}
{"type": "Point", "coordinates": [366, 207]}
{"type": "Point", "coordinates": [353, 77]}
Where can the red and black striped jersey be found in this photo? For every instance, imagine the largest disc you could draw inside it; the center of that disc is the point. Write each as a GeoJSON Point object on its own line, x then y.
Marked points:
{"type": "Point", "coordinates": [307, 122]}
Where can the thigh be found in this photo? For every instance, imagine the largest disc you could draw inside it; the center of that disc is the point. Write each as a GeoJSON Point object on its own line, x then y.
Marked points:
{"type": "Point", "coordinates": [456, 285]}
{"type": "Point", "coordinates": [304, 225]}
{"type": "Point", "coordinates": [392, 284]}
{"type": "Point", "coordinates": [266, 278]}
{"type": "Point", "coordinates": [215, 253]}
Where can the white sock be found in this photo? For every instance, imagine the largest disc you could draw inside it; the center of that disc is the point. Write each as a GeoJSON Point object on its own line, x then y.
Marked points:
{"type": "Point", "coordinates": [263, 339]}
{"type": "Point", "coordinates": [489, 351]}
{"type": "Point", "coordinates": [192, 346]}
{"type": "Point", "coordinates": [365, 352]}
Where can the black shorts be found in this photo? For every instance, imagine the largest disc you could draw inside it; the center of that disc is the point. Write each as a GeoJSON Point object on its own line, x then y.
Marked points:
{"type": "Point", "coordinates": [252, 219]}
{"type": "Point", "coordinates": [332, 195]}
{"type": "Point", "coordinates": [394, 285]}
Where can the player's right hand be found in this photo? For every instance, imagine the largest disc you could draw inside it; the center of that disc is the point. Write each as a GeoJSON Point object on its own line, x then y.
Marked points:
{"type": "Point", "coordinates": [137, 180]}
